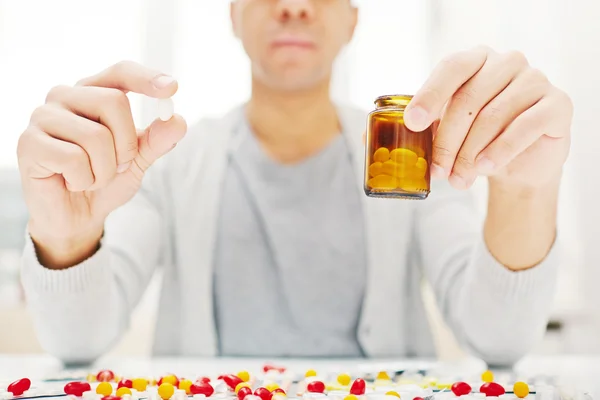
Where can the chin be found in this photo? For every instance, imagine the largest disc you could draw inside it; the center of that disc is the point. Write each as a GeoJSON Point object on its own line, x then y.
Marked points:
{"type": "Point", "coordinates": [294, 78]}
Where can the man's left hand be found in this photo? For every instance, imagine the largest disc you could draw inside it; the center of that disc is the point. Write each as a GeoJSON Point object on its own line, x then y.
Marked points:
{"type": "Point", "coordinates": [494, 115]}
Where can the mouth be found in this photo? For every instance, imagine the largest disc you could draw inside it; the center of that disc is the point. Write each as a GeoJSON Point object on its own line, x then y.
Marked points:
{"type": "Point", "coordinates": [293, 41]}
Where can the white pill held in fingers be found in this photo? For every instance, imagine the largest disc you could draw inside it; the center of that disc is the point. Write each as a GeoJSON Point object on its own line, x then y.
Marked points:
{"type": "Point", "coordinates": [166, 108]}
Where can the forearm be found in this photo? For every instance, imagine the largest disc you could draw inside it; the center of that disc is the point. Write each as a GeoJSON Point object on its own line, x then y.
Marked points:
{"type": "Point", "coordinates": [520, 226]}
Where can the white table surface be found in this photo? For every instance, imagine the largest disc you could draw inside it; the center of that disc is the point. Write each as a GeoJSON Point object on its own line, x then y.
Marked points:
{"type": "Point", "coordinates": [575, 373]}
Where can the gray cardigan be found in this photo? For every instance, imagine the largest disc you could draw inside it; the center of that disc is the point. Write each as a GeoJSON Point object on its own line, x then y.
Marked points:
{"type": "Point", "coordinates": [495, 314]}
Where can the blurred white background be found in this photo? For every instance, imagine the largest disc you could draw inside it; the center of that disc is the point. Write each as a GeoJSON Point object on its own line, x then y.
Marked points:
{"type": "Point", "coordinates": [45, 43]}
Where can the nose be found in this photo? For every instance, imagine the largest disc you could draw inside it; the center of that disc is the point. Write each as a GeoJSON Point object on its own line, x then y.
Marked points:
{"type": "Point", "coordinates": [295, 9]}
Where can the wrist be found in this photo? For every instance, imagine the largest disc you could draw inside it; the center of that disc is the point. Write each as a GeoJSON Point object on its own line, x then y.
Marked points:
{"type": "Point", "coordinates": [523, 190]}
{"type": "Point", "coordinates": [56, 251]}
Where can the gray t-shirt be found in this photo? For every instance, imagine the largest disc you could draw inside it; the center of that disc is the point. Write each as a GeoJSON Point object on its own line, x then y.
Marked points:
{"type": "Point", "coordinates": [290, 262]}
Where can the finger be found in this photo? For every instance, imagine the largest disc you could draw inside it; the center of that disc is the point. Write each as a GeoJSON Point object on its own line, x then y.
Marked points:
{"type": "Point", "coordinates": [525, 91]}
{"type": "Point", "coordinates": [129, 76]}
{"type": "Point", "coordinates": [464, 105]}
{"type": "Point", "coordinates": [539, 120]}
{"type": "Point", "coordinates": [109, 107]}
{"type": "Point", "coordinates": [157, 140]}
{"type": "Point", "coordinates": [45, 156]}
{"type": "Point", "coordinates": [96, 139]}
{"type": "Point", "coordinates": [449, 75]}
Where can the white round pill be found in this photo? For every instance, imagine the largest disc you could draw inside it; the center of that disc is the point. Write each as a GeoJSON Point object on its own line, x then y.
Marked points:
{"type": "Point", "coordinates": [166, 108]}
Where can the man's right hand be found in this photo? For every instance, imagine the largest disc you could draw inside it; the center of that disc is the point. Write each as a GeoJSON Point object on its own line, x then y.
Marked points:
{"type": "Point", "coordinates": [81, 157]}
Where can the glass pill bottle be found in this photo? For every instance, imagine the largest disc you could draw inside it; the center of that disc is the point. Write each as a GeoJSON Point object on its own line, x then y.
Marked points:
{"type": "Point", "coordinates": [397, 160]}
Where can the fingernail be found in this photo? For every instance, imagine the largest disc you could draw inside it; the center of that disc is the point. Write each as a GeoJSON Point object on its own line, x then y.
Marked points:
{"type": "Point", "coordinates": [438, 172]}
{"type": "Point", "coordinates": [161, 82]}
{"type": "Point", "coordinates": [123, 167]}
{"type": "Point", "coordinates": [417, 118]}
{"type": "Point", "coordinates": [484, 164]}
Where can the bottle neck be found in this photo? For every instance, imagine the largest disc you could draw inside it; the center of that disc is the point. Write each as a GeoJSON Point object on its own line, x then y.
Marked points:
{"type": "Point", "coordinates": [396, 101]}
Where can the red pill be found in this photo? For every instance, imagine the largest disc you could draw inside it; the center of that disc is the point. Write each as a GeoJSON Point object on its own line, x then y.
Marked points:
{"type": "Point", "coordinates": [243, 392]}
{"type": "Point", "coordinates": [77, 388]}
{"type": "Point", "coordinates": [263, 393]}
{"type": "Point", "coordinates": [492, 389]}
{"type": "Point", "coordinates": [105, 375]}
{"type": "Point", "coordinates": [358, 387]}
{"type": "Point", "coordinates": [232, 380]}
{"type": "Point", "coordinates": [128, 383]}
{"type": "Point", "coordinates": [111, 398]}
{"type": "Point", "coordinates": [418, 398]}
{"type": "Point", "coordinates": [279, 390]}
{"type": "Point", "coordinates": [316, 387]}
{"type": "Point", "coordinates": [17, 388]}
{"type": "Point", "coordinates": [204, 388]}
{"type": "Point", "coordinates": [204, 379]}
{"type": "Point", "coordinates": [461, 388]}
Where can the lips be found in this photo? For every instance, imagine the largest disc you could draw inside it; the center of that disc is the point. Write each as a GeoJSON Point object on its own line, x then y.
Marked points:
{"type": "Point", "coordinates": [293, 41]}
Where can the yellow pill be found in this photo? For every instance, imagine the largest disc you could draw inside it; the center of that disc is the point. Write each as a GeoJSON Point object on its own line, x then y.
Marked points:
{"type": "Point", "coordinates": [123, 391]}
{"type": "Point", "coordinates": [351, 397]}
{"type": "Point", "coordinates": [139, 384]}
{"type": "Point", "coordinates": [487, 376]}
{"type": "Point", "coordinates": [392, 168]}
{"type": "Point", "coordinates": [404, 156]}
{"type": "Point", "coordinates": [383, 182]}
{"type": "Point", "coordinates": [311, 372]}
{"type": "Point", "coordinates": [185, 384]}
{"type": "Point", "coordinates": [412, 184]}
{"type": "Point", "coordinates": [344, 379]}
{"type": "Point", "coordinates": [244, 376]}
{"type": "Point", "coordinates": [172, 379]}
{"type": "Point", "coordinates": [375, 169]}
{"type": "Point", "coordinates": [104, 388]}
{"type": "Point", "coordinates": [421, 164]}
{"type": "Point", "coordinates": [383, 376]}
{"type": "Point", "coordinates": [392, 393]}
{"type": "Point", "coordinates": [443, 385]}
{"type": "Point", "coordinates": [91, 378]}
{"type": "Point", "coordinates": [166, 390]}
{"type": "Point", "coordinates": [271, 386]}
{"type": "Point", "coordinates": [521, 390]}
{"type": "Point", "coordinates": [382, 154]}
{"type": "Point", "coordinates": [241, 385]}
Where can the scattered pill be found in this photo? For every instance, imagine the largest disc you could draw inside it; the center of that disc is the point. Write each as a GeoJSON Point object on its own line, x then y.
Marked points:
{"type": "Point", "coordinates": [461, 388]}
{"type": "Point", "coordinates": [521, 389]}
{"type": "Point", "coordinates": [243, 392]}
{"type": "Point", "coordinates": [316, 387]}
{"type": "Point", "coordinates": [263, 393]}
{"type": "Point", "coordinates": [344, 379]}
{"type": "Point", "coordinates": [244, 376]}
{"type": "Point", "coordinates": [492, 389]}
{"type": "Point", "coordinates": [77, 388]}
{"type": "Point", "coordinates": [17, 388]}
{"type": "Point", "coordinates": [122, 391]}
{"type": "Point", "coordinates": [358, 387]}
{"type": "Point", "coordinates": [487, 376]}
{"type": "Point", "coordinates": [166, 390]}
{"type": "Point", "coordinates": [203, 388]}
{"type": "Point", "coordinates": [105, 375]}
{"type": "Point", "coordinates": [104, 388]}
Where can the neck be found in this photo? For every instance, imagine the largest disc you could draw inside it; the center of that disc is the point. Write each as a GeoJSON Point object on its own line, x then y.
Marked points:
{"type": "Point", "coordinates": [292, 126]}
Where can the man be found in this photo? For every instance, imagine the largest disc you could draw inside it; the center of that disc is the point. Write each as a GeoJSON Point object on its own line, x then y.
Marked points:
{"type": "Point", "coordinates": [269, 247]}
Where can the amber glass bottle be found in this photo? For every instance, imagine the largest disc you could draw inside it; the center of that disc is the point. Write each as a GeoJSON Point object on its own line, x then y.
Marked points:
{"type": "Point", "coordinates": [397, 160]}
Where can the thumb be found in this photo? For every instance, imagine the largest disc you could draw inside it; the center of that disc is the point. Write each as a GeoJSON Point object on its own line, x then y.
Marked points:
{"type": "Point", "coordinates": [158, 139]}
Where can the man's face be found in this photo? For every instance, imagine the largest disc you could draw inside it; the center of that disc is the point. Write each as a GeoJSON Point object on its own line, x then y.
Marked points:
{"type": "Point", "coordinates": [293, 44]}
